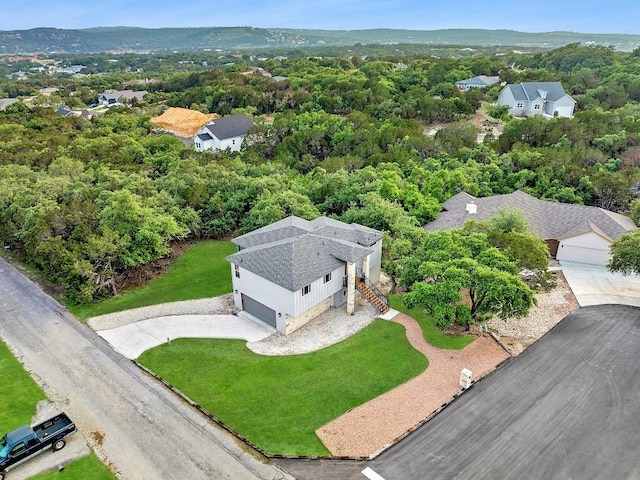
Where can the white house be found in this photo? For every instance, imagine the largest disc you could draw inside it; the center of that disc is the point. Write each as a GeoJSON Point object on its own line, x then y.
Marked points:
{"type": "Point", "coordinates": [575, 233]}
{"type": "Point", "coordinates": [289, 272]}
{"type": "Point", "coordinates": [222, 133]}
{"type": "Point", "coordinates": [479, 81]}
{"type": "Point", "coordinates": [537, 98]}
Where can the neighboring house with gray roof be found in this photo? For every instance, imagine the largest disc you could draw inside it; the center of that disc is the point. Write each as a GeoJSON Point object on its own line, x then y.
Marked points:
{"type": "Point", "coordinates": [537, 98]}
{"type": "Point", "coordinates": [5, 102]}
{"type": "Point", "coordinates": [291, 271]}
{"type": "Point", "coordinates": [222, 133]}
{"type": "Point", "coordinates": [112, 98]}
{"type": "Point", "coordinates": [479, 81]}
{"type": "Point", "coordinates": [575, 233]}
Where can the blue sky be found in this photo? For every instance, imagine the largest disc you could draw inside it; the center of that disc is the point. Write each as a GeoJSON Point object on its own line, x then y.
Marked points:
{"type": "Point", "coordinates": [586, 16]}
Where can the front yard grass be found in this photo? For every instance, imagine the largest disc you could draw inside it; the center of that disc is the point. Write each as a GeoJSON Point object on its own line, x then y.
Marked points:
{"type": "Point", "coordinates": [87, 467]}
{"type": "Point", "coordinates": [19, 394]}
{"type": "Point", "coordinates": [278, 402]}
{"type": "Point", "coordinates": [432, 333]}
{"type": "Point", "coordinates": [201, 272]}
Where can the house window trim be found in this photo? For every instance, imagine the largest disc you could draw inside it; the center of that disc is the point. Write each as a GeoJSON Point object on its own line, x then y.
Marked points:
{"type": "Point", "coordinates": [327, 278]}
{"type": "Point", "coordinates": [306, 290]}
{"type": "Point", "coordinates": [519, 105]}
{"type": "Point", "coordinates": [237, 271]}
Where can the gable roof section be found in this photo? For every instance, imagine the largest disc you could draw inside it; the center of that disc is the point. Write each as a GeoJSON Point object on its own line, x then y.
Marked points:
{"type": "Point", "coordinates": [530, 91]}
{"type": "Point", "coordinates": [479, 80]}
{"type": "Point", "coordinates": [548, 220]}
{"type": "Point", "coordinates": [229, 127]}
{"type": "Point", "coordinates": [294, 252]}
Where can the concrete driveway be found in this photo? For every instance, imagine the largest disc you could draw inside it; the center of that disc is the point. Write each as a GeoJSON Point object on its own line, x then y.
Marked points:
{"type": "Point", "coordinates": [594, 285]}
{"type": "Point", "coordinates": [135, 338]}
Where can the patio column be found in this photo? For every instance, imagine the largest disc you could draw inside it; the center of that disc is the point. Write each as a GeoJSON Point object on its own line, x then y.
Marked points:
{"type": "Point", "coordinates": [366, 262]}
{"type": "Point", "coordinates": [351, 288]}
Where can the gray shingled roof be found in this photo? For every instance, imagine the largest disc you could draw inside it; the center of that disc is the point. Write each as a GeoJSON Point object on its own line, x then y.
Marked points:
{"type": "Point", "coordinates": [229, 126]}
{"type": "Point", "coordinates": [549, 220]}
{"type": "Point", "coordinates": [480, 80]}
{"type": "Point", "coordinates": [126, 94]}
{"type": "Point", "coordinates": [205, 137]}
{"type": "Point", "coordinates": [294, 252]}
{"type": "Point", "coordinates": [529, 91]}
{"type": "Point", "coordinates": [5, 102]}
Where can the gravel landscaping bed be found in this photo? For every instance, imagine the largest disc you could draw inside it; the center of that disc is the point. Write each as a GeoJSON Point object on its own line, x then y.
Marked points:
{"type": "Point", "coordinates": [329, 328]}
{"type": "Point", "coordinates": [518, 333]}
{"type": "Point", "coordinates": [205, 306]}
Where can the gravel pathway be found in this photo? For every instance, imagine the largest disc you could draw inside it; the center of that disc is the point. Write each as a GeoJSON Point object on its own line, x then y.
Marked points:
{"type": "Point", "coordinates": [369, 428]}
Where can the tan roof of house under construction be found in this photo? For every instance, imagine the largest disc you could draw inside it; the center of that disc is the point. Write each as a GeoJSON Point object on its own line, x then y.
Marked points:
{"type": "Point", "coordinates": [182, 121]}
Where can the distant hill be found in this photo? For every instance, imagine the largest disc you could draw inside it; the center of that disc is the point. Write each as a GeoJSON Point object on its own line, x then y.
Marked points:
{"type": "Point", "coordinates": [127, 39]}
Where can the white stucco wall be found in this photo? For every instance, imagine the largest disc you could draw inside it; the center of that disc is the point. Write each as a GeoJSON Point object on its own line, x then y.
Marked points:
{"type": "Point", "coordinates": [233, 143]}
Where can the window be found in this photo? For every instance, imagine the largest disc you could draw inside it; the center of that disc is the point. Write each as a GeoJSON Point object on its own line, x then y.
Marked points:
{"type": "Point", "coordinates": [327, 277]}
{"type": "Point", "coordinates": [519, 105]}
{"type": "Point", "coordinates": [237, 270]}
{"type": "Point", "coordinates": [18, 449]}
{"type": "Point", "coordinates": [536, 106]}
{"type": "Point", "coordinates": [306, 290]}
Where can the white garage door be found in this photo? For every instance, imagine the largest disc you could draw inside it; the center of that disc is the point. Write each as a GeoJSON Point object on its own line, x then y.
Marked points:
{"type": "Point", "coordinates": [592, 256]}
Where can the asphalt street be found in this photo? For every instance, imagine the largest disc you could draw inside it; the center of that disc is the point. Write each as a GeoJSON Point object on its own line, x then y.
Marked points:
{"type": "Point", "coordinates": [567, 408]}
{"type": "Point", "coordinates": [135, 425]}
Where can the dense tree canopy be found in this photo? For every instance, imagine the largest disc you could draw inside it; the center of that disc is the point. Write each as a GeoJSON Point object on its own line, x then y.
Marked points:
{"type": "Point", "coordinates": [87, 201]}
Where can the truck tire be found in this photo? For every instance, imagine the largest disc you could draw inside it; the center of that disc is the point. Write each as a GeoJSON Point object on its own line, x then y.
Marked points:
{"type": "Point", "coordinates": [57, 445]}
{"type": "Point", "coordinates": [2, 475]}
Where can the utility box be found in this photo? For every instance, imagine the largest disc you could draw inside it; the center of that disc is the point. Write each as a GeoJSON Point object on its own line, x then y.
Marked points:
{"type": "Point", "coordinates": [465, 378]}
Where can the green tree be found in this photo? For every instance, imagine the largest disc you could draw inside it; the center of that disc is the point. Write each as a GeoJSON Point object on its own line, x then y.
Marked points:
{"type": "Point", "coordinates": [625, 254]}
{"type": "Point", "coordinates": [450, 263]}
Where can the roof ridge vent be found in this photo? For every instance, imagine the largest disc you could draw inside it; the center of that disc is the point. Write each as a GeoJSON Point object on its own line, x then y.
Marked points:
{"type": "Point", "coordinates": [471, 208]}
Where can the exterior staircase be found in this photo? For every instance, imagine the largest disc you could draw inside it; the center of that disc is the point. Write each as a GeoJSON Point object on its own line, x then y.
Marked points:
{"type": "Point", "coordinates": [372, 294]}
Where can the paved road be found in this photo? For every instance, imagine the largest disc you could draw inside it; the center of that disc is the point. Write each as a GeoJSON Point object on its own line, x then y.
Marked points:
{"type": "Point", "coordinates": [567, 407]}
{"type": "Point", "coordinates": [134, 424]}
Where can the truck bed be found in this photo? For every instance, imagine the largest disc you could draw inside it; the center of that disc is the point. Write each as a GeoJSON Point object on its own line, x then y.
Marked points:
{"type": "Point", "coordinates": [52, 426]}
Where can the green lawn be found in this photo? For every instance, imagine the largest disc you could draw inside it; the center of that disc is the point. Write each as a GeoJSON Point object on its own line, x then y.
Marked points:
{"type": "Point", "coordinates": [278, 402]}
{"type": "Point", "coordinates": [432, 333]}
{"type": "Point", "coordinates": [87, 467]}
{"type": "Point", "coordinates": [200, 273]}
{"type": "Point", "coordinates": [19, 394]}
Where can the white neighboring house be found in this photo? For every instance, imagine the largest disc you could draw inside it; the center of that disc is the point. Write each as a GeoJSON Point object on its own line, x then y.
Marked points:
{"type": "Point", "coordinates": [222, 133]}
{"type": "Point", "coordinates": [537, 98]}
{"type": "Point", "coordinates": [111, 98]}
{"type": "Point", "coordinates": [479, 81]}
{"type": "Point", "coordinates": [575, 233]}
{"type": "Point", "coordinates": [291, 271]}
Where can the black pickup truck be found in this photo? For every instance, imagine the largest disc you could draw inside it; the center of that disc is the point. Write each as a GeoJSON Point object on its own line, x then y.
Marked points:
{"type": "Point", "coordinates": [25, 442]}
